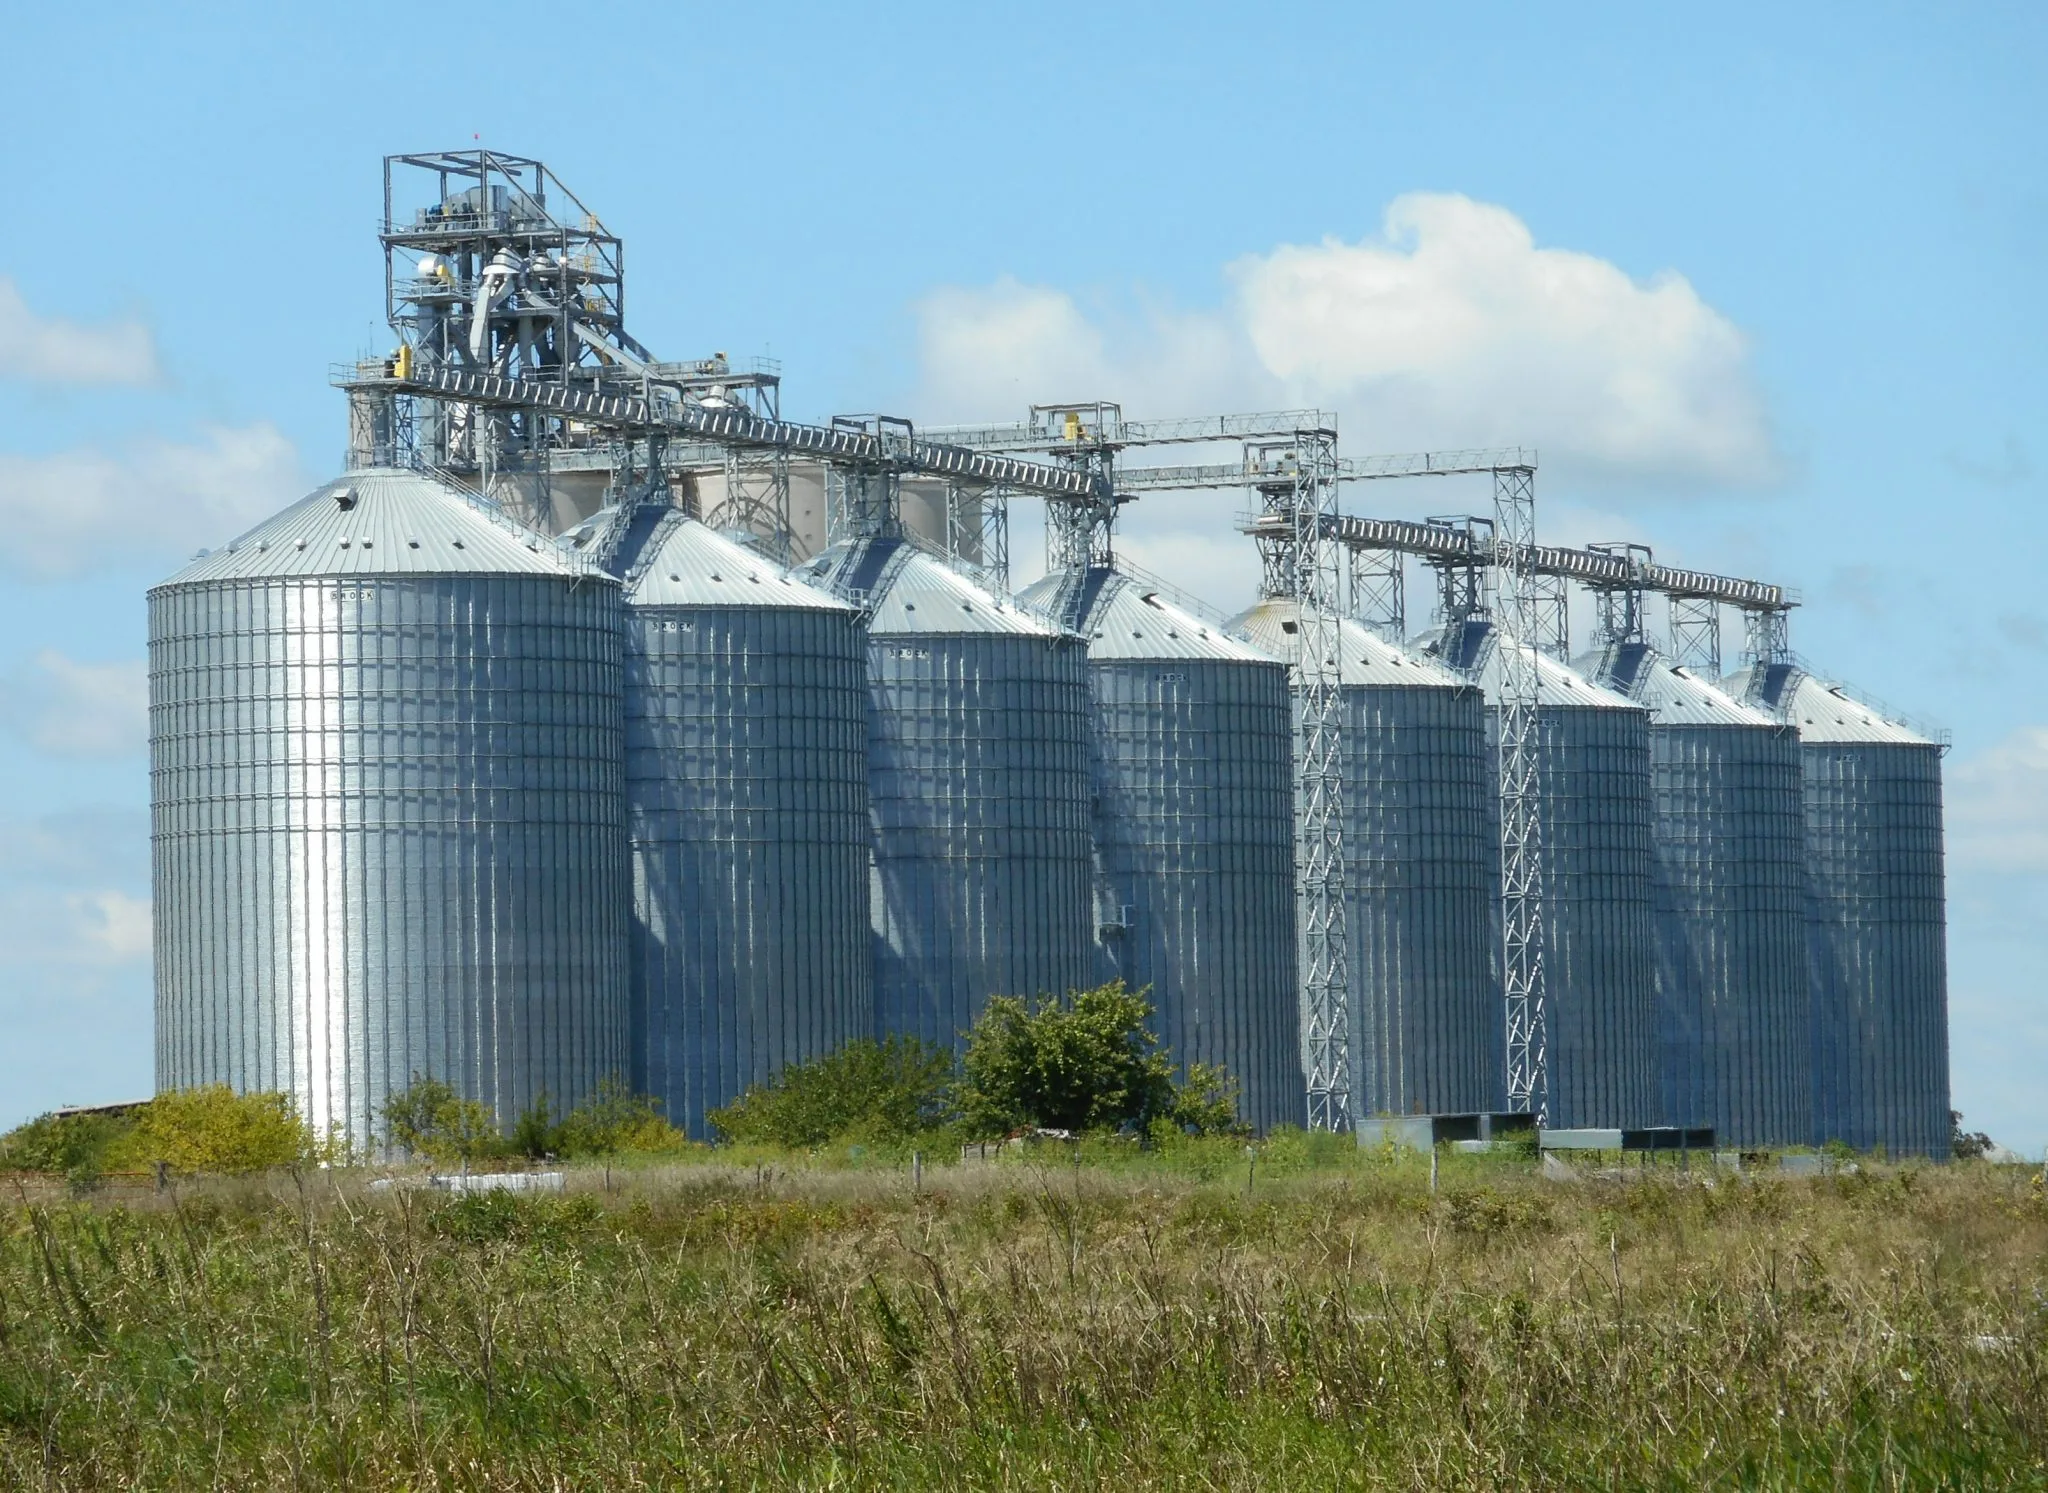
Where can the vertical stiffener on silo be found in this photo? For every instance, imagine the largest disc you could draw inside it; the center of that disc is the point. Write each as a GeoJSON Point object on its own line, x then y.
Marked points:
{"type": "Point", "coordinates": [1876, 919]}
{"type": "Point", "coordinates": [1593, 766]}
{"type": "Point", "coordinates": [1194, 832]}
{"type": "Point", "coordinates": [1421, 867]}
{"type": "Point", "coordinates": [978, 791]}
{"type": "Point", "coordinates": [746, 797]}
{"type": "Point", "coordinates": [1733, 1013]}
{"type": "Point", "coordinates": [388, 834]}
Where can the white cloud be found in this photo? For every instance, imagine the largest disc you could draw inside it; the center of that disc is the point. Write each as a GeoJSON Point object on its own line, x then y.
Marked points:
{"type": "Point", "coordinates": [74, 510]}
{"type": "Point", "coordinates": [51, 350]}
{"type": "Point", "coordinates": [1998, 806]}
{"type": "Point", "coordinates": [73, 708]}
{"type": "Point", "coordinates": [109, 927]}
{"type": "Point", "coordinates": [1449, 328]}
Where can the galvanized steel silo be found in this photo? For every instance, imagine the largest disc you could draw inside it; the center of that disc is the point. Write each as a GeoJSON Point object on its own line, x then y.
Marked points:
{"type": "Point", "coordinates": [1733, 1016]}
{"type": "Point", "coordinates": [747, 804]}
{"type": "Point", "coordinates": [388, 834]}
{"type": "Point", "coordinates": [978, 719]}
{"type": "Point", "coordinates": [1194, 834]}
{"type": "Point", "coordinates": [1876, 915]}
{"type": "Point", "coordinates": [1422, 868]}
{"type": "Point", "coordinates": [1599, 963]}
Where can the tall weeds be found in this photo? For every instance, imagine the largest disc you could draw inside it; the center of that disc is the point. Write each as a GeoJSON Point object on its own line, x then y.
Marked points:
{"type": "Point", "coordinates": [1035, 1327]}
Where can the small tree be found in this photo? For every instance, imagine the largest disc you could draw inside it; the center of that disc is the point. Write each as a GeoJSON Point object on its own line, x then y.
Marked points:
{"type": "Point", "coordinates": [1083, 1063]}
{"type": "Point", "coordinates": [537, 1134]}
{"type": "Point", "coordinates": [891, 1090]}
{"type": "Point", "coordinates": [1966, 1145]}
{"type": "Point", "coordinates": [429, 1119]}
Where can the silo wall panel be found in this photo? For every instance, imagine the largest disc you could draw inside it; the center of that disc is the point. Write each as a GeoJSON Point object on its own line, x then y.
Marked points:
{"type": "Point", "coordinates": [979, 794]}
{"type": "Point", "coordinates": [1877, 945]}
{"type": "Point", "coordinates": [1195, 830]}
{"type": "Point", "coordinates": [1423, 864]}
{"type": "Point", "coordinates": [746, 784]}
{"type": "Point", "coordinates": [1732, 1005]}
{"type": "Point", "coordinates": [1599, 957]}
{"type": "Point", "coordinates": [388, 839]}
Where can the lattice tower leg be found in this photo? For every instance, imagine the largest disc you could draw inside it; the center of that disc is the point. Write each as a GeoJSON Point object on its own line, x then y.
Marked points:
{"type": "Point", "coordinates": [1553, 616]}
{"type": "Point", "coordinates": [1617, 616]}
{"type": "Point", "coordinates": [1309, 503]}
{"type": "Point", "coordinates": [1766, 635]}
{"type": "Point", "coordinates": [1696, 634]}
{"type": "Point", "coordinates": [861, 503]}
{"type": "Point", "coordinates": [757, 499]}
{"type": "Point", "coordinates": [1515, 611]}
{"type": "Point", "coordinates": [1379, 597]}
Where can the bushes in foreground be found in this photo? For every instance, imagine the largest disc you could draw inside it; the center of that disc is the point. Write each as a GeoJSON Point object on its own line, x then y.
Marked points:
{"type": "Point", "coordinates": [188, 1131]}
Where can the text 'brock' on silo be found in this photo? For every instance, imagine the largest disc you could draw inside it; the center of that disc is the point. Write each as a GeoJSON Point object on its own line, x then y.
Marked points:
{"type": "Point", "coordinates": [1421, 867]}
{"type": "Point", "coordinates": [1599, 966]}
{"type": "Point", "coordinates": [1732, 1010]}
{"type": "Point", "coordinates": [388, 832]}
{"type": "Point", "coordinates": [746, 793]}
{"type": "Point", "coordinates": [1877, 938]}
{"type": "Point", "coordinates": [978, 791]}
{"type": "Point", "coordinates": [1194, 832]}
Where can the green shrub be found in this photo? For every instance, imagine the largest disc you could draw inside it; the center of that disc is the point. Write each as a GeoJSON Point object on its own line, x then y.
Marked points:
{"type": "Point", "coordinates": [614, 1120]}
{"type": "Point", "coordinates": [1086, 1062]}
{"type": "Point", "coordinates": [75, 1146]}
{"type": "Point", "coordinates": [214, 1129]}
{"type": "Point", "coordinates": [429, 1120]}
{"type": "Point", "coordinates": [875, 1091]}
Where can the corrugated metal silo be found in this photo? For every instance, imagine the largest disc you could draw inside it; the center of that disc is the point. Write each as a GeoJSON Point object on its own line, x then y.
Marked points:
{"type": "Point", "coordinates": [1732, 1009]}
{"type": "Point", "coordinates": [1194, 834]}
{"type": "Point", "coordinates": [747, 805]}
{"type": "Point", "coordinates": [1599, 963]}
{"type": "Point", "coordinates": [1422, 868]}
{"type": "Point", "coordinates": [1876, 915]}
{"type": "Point", "coordinates": [978, 791]}
{"type": "Point", "coordinates": [388, 829]}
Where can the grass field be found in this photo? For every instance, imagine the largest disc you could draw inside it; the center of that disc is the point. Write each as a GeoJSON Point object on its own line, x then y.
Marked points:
{"type": "Point", "coordinates": [1321, 1321]}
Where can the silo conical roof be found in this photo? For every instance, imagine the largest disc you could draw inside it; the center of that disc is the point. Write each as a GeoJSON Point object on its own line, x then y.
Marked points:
{"type": "Point", "coordinates": [909, 591]}
{"type": "Point", "coordinates": [1822, 711]}
{"type": "Point", "coordinates": [673, 560]}
{"type": "Point", "coordinates": [383, 521]}
{"type": "Point", "coordinates": [1673, 694]}
{"type": "Point", "coordinates": [1472, 647]}
{"type": "Point", "coordinates": [1125, 619]}
{"type": "Point", "coordinates": [1364, 658]}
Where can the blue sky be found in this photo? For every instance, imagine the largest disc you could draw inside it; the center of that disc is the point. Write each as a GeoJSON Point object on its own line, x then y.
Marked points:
{"type": "Point", "coordinates": [1766, 293]}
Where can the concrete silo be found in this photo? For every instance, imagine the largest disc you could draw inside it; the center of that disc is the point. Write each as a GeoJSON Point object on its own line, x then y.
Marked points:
{"type": "Point", "coordinates": [1194, 833]}
{"type": "Point", "coordinates": [978, 792]}
{"type": "Point", "coordinates": [388, 832]}
{"type": "Point", "coordinates": [1732, 1009]}
{"type": "Point", "coordinates": [1599, 966]}
{"type": "Point", "coordinates": [1876, 918]}
{"type": "Point", "coordinates": [1422, 870]}
{"type": "Point", "coordinates": [747, 813]}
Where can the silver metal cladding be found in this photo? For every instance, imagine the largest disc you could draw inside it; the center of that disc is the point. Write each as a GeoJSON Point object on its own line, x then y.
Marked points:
{"type": "Point", "coordinates": [978, 724]}
{"type": "Point", "coordinates": [1876, 915]}
{"type": "Point", "coordinates": [746, 788]}
{"type": "Point", "coordinates": [1194, 831]}
{"type": "Point", "coordinates": [1422, 864]}
{"type": "Point", "coordinates": [388, 836]}
{"type": "Point", "coordinates": [1733, 1014]}
{"type": "Point", "coordinates": [1598, 866]}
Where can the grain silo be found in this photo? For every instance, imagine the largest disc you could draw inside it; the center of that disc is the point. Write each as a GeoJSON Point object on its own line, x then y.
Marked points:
{"type": "Point", "coordinates": [1599, 967]}
{"type": "Point", "coordinates": [1732, 1007]}
{"type": "Point", "coordinates": [747, 813]}
{"type": "Point", "coordinates": [978, 720]}
{"type": "Point", "coordinates": [1194, 833]}
{"type": "Point", "coordinates": [1876, 923]}
{"type": "Point", "coordinates": [387, 822]}
{"type": "Point", "coordinates": [1422, 864]}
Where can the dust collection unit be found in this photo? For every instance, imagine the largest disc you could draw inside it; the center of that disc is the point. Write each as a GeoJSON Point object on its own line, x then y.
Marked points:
{"type": "Point", "coordinates": [600, 721]}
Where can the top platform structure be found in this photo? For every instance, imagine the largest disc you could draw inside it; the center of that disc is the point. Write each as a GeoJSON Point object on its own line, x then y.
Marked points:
{"type": "Point", "coordinates": [492, 265]}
